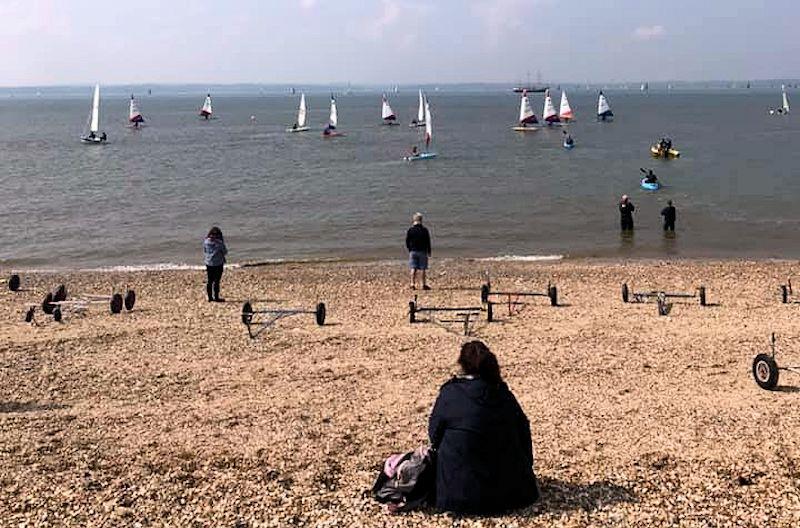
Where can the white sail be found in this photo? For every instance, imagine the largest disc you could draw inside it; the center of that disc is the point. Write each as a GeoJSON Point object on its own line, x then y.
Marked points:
{"type": "Point", "coordinates": [333, 121]}
{"type": "Point", "coordinates": [301, 112]}
{"type": "Point", "coordinates": [386, 111]}
{"type": "Point", "coordinates": [549, 113]}
{"type": "Point", "coordinates": [565, 111]}
{"type": "Point", "coordinates": [94, 122]}
{"type": "Point", "coordinates": [526, 115]}
{"type": "Point", "coordinates": [603, 109]}
{"type": "Point", "coordinates": [785, 99]}
{"type": "Point", "coordinates": [428, 124]}
{"type": "Point", "coordinates": [134, 114]}
{"type": "Point", "coordinates": [206, 111]}
{"type": "Point", "coordinates": [421, 109]}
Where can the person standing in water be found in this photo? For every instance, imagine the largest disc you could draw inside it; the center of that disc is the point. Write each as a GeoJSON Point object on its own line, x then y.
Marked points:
{"type": "Point", "coordinates": [669, 213]}
{"type": "Point", "coordinates": [626, 209]}
{"type": "Point", "coordinates": [214, 252]}
{"type": "Point", "coordinates": [418, 244]}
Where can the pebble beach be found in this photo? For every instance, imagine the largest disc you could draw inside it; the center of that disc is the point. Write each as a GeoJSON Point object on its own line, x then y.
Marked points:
{"type": "Point", "coordinates": [170, 415]}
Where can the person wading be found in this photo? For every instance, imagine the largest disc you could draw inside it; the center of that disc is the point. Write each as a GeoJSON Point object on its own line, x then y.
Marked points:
{"type": "Point", "coordinates": [418, 244]}
{"type": "Point", "coordinates": [214, 252]}
{"type": "Point", "coordinates": [669, 213]}
{"type": "Point", "coordinates": [626, 209]}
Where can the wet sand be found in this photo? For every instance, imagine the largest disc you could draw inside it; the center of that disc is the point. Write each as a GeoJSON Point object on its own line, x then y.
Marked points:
{"type": "Point", "coordinates": [171, 416]}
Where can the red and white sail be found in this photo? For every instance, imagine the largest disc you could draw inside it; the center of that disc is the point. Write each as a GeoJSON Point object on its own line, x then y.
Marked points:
{"type": "Point", "coordinates": [565, 112]}
{"type": "Point", "coordinates": [134, 114]}
{"type": "Point", "coordinates": [387, 114]}
{"type": "Point", "coordinates": [428, 125]}
{"type": "Point", "coordinates": [549, 113]}
{"type": "Point", "coordinates": [526, 115]}
{"type": "Point", "coordinates": [206, 111]}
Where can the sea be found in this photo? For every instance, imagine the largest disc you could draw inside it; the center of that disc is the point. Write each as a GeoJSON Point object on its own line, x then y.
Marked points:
{"type": "Point", "coordinates": [148, 197]}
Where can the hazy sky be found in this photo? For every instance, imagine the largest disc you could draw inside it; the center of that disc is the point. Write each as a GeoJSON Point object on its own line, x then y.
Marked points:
{"type": "Point", "coordinates": [395, 41]}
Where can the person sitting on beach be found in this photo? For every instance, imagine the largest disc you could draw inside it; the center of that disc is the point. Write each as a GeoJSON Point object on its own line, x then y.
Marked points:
{"type": "Point", "coordinates": [418, 244]}
{"type": "Point", "coordinates": [482, 438]}
{"type": "Point", "coordinates": [626, 209]}
{"type": "Point", "coordinates": [669, 213]}
{"type": "Point", "coordinates": [214, 252]}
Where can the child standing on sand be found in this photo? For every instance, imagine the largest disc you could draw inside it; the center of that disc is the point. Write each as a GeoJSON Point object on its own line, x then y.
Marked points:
{"type": "Point", "coordinates": [214, 252]}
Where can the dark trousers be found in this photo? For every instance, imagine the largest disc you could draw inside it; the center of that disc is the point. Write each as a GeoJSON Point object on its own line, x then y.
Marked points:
{"type": "Point", "coordinates": [212, 286]}
{"type": "Point", "coordinates": [626, 224]}
{"type": "Point", "coordinates": [669, 226]}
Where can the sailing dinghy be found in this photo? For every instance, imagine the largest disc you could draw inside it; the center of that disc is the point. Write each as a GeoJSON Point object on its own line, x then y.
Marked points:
{"type": "Point", "coordinates": [420, 120]}
{"type": "Point", "coordinates": [387, 114]}
{"type": "Point", "coordinates": [565, 111]}
{"type": "Point", "coordinates": [604, 112]}
{"type": "Point", "coordinates": [206, 111]}
{"type": "Point", "coordinates": [527, 119]}
{"type": "Point", "coordinates": [93, 123]}
{"type": "Point", "coordinates": [302, 115]}
{"type": "Point", "coordinates": [549, 113]}
{"type": "Point", "coordinates": [135, 117]}
{"type": "Point", "coordinates": [420, 156]}
{"type": "Point", "coordinates": [333, 122]}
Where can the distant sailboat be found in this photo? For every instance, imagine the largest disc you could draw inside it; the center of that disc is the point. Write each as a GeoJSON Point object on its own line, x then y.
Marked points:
{"type": "Point", "coordinates": [565, 112]}
{"type": "Point", "coordinates": [206, 111]}
{"type": "Point", "coordinates": [549, 113]}
{"type": "Point", "coordinates": [604, 112]}
{"type": "Point", "coordinates": [420, 120]}
{"type": "Point", "coordinates": [645, 87]}
{"type": "Point", "coordinates": [418, 156]}
{"type": "Point", "coordinates": [526, 116]}
{"type": "Point", "coordinates": [387, 114]}
{"type": "Point", "coordinates": [333, 121]}
{"type": "Point", "coordinates": [302, 117]}
{"type": "Point", "coordinates": [134, 114]}
{"type": "Point", "coordinates": [93, 123]}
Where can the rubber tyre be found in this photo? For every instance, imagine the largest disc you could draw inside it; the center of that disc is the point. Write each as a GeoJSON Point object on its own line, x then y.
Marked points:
{"type": "Point", "coordinates": [702, 294]}
{"type": "Point", "coordinates": [552, 292]}
{"type": "Point", "coordinates": [320, 313]}
{"type": "Point", "coordinates": [247, 313]}
{"type": "Point", "coordinates": [765, 371]}
{"type": "Point", "coordinates": [489, 312]}
{"type": "Point", "coordinates": [625, 292]}
{"type": "Point", "coordinates": [60, 294]}
{"type": "Point", "coordinates": [116, 303]}
{"type": "Point", "coordinates": [784, 294]}
{"type": "Point", "coordinates": [412, 312]}
{"type": "Point", "coordinates": [485, 291]}
{"type": "Point", "coordinates": [130, 300]}
{"type": "Point", "coordinates": [13, 283]}
{"type": "Point", "coordinates": [47, 304]}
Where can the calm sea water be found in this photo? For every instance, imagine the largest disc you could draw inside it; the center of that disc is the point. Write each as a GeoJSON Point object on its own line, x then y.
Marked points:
{"type": "Point", "coordinates": [150, 195]}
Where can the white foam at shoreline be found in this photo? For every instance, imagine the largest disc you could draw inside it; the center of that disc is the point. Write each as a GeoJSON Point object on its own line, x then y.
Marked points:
{"type": "Point", "coordinates": [522, 258]}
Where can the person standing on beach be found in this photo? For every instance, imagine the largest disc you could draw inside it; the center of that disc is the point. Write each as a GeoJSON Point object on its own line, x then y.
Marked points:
{"type": "Point", "coordinates": [418, 244]}
{"type": "Point", "coordinates": [669, 213]}
{"type": "Point", "coordinates": [626, 209]}
{"type": "Point", "coordinates": [214, 252]}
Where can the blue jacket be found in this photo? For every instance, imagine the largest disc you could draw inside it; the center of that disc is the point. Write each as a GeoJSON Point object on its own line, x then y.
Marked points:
{"type": "Point", "coordinates": [484, 461]}
{"type": "Point", "coordinates": [214, 251]}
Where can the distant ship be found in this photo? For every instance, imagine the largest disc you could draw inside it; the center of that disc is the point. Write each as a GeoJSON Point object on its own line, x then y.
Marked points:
{"type": "Point", "coordinates": [531, 88]}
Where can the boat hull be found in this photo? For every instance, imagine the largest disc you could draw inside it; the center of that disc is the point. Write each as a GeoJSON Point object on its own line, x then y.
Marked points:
{"type": "Point", "coordinates": [421, 157]}
{"type": "Point", "coordinates": [657, 153]}
{"type": "Point", "coordinates": [416, 125]}
{"type": "Point", "coordinates": [649, 186]}
{"type": "Point", "coordinates": [92, 140]}
{"type": "Point", "coordinates": [334, 135]}
{"type": "Point", "coordinates": [569, 146]}
{"type": "Point", "coordinates": [298, 129]}
{"type": "Point", "coordinates": [525, 129]}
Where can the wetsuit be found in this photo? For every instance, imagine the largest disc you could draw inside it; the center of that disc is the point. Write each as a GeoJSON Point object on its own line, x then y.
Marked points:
{"type": "Point", "coordinates": [626, 216]}
{"type": "Point", "coordinates": [669, 214]}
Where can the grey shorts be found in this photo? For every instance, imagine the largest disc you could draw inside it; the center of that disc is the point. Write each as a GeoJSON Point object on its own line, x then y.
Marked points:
{"type": "Point", "coordinates": [418, 260]}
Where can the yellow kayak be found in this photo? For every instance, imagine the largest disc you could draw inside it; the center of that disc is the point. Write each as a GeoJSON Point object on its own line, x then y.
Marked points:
{"type": "Point", "coordinates": [659, 153]}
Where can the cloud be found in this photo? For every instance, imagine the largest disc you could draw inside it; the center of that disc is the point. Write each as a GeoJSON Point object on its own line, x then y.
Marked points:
{"type": "Point", "coordinates": [500, 17]}
{"type": "Point", "coordinates": [389, 14]}
{"type": "Point", "coordinates": [308, 4]}
{"type": "Point", "coordinates": [391, 18]}
{"type": "Point", "coordinates": [649, 32]}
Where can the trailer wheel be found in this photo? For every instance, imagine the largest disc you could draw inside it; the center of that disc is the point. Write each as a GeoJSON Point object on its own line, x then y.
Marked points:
{"type": "Point", "coordinates": [47, 304]}
{"type": "Point", "coordinates": [319, 315]}
{"type": "Point", "coordinates": [552, 292]}
{"type": "Point", "coordinates": [489, 312]}
{"type": "Point", "coordinates": [130, 300]}
{"type": "Point", "coordinates": [247, 313]}
{"type": "Point", "coordinates": [13, 283]}
{"type": "Point", "coordinates": [765, 371]}
{"type": "Point", "coordinates": [784, 294]}
{"type": "Point", "coordinates": [625, 292]}
{"type": "Point", "coordinates": [116, 303]}
{"type": "Point", "coordinates": [485, 290]}
{"type": "Point", "coordinates": [60, 293]}
{"type": "Point", "coordinates": [702, 294]}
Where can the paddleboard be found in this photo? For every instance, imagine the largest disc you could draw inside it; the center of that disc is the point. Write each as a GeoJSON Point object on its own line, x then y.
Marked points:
{"type": "Point", "coordinates": [420, 157]}
{"type": "Point", "coordinates": [650, 186]}
{"type": "Point", "coordinates": [671, 153]}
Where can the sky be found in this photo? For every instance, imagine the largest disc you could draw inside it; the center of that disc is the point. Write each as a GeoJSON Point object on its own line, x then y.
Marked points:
{"type": "Point", "coordinates": [59, 42]}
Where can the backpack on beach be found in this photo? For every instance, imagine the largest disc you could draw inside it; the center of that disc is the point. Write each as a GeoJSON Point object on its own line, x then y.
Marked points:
{"type": "Point", "coordinates": [407, 480]}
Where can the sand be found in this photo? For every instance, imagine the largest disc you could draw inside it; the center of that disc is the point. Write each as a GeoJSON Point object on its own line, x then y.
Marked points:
{"type": "Point", "coordinates": [171, 416]}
